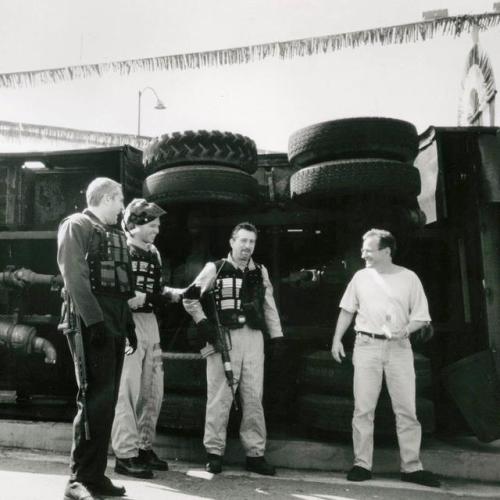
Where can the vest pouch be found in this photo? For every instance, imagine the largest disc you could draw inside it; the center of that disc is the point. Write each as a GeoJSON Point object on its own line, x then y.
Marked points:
{"type": "Point", "coordinates": [254, 314]}
{"type": "Point", "coordinates": [232, 318]}
{"type": "Point", "coordinates": [109, 263]}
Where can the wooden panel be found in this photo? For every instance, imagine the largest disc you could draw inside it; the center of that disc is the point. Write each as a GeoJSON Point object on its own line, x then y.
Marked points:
{"type": "Point", "coordinates": [11, 200]}
{"type": "Point", "coordinates": [56, 195]}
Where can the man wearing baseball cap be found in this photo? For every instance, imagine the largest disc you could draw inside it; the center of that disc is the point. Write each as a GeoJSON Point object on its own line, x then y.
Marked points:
{"type": "Point", "coordinates": [141, 385]}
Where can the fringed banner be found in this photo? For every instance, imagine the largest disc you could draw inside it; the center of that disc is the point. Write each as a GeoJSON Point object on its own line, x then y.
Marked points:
{"type": "Point", "coordinates": [405, 33]}
{"type": "Point", "coordinates": [89, 137]}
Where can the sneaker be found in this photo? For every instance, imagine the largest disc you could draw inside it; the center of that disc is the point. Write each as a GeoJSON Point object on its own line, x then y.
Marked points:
{"type": "Point", "coordinates": [106, 488]}
{"type": "Point", "coordinates": [260, 466]}
{"type": "Point", "coordinates": [151, 459]}
{"type": "Point", "coordinates": [214, 463]}
{"type": "Point", "coordinates": [424, 477]}
{"type": "Point", "coordinates": [358, 473]}
{"type": "Point", "coordinates": [132, 467]}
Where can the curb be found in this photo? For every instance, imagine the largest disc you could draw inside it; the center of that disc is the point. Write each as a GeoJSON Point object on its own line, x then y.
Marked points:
{"type": "Point", "coordinates": [464, 458]}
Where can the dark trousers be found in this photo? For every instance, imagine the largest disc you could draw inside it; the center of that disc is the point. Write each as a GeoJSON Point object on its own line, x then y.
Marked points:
{"type": "Point", "coordinates": [104, 366]}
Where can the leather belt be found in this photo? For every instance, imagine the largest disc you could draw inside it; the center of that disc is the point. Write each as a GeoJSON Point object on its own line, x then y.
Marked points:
{"type": "Point", "coordinates": [373, 335]}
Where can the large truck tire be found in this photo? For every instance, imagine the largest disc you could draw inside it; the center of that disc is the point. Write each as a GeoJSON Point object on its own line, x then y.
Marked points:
{"type": "Point", "coordinates": [369, 137]}
{"type": "Point", "coordinates": [200, 184]}
{"type": "Point", "coordinates": [201, 147]}
{"type": "Point", "coordinates": [334, 414]}
{"type": "Point", "coordinates": [320, 373]}
{"type": "Point", "coordinates": [182, 411]}
{"type": "Point", "coordinates": [184, 372]}
{"type": "Point", "coordinates": [342, 178]}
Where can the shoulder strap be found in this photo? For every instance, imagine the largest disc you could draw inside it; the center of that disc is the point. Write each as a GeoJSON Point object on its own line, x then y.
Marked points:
{"type": "Point", "coordinates": [386, 288]}
{"type": "Point", "coordinates": [219, 264]}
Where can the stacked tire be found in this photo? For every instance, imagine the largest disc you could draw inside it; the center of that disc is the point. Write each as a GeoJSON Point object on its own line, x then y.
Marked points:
{"type": "Point", "coordinates": [201, 168]}
{"type": "Point", "coordinates": [325, 402]}
{"type": "Point", "coordinates": [185, 389]}
{"type": "Point", "coordinates": [344, 161]}
{"type": "Point", "coordinates": [185, 170]}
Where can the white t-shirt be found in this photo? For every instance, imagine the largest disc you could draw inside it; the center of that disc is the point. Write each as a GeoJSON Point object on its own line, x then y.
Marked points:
{"type": "Point", "coordinates": [395, 302]}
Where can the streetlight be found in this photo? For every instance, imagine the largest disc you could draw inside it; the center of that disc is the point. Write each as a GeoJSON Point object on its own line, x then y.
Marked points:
{"type": "Point", "coordinates": [159, 105]}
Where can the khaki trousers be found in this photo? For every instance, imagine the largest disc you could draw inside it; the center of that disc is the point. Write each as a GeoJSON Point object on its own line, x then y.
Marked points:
{"type": "Point", "coordinates": [141, 391]}
{"type": "Point", "coordinates": [247, 360]}
{"type": "Point", "coordinates": [372, 359]}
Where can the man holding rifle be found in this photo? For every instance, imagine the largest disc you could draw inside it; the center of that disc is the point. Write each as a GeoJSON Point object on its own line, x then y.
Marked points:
{"type": "Point", "coordinates": [95, 264]}
{"type": "Point", "coordinates": [236, 305]}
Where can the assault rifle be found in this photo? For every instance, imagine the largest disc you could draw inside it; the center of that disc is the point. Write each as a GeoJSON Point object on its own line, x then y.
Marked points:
{"type": "Point", "coordinates": [71, 326]}
{"type": "Point", "coordinates": [223, 347]}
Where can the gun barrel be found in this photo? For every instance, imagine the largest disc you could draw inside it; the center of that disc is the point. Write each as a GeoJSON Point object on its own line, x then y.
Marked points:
{"type": "Point", "coordinates": [224, 351]}
{"type": "Point", "coordinates": [75, 340]}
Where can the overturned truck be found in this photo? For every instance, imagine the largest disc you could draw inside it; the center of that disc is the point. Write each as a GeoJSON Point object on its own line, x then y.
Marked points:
{"type": "Point", "coordinates": [439, 194]}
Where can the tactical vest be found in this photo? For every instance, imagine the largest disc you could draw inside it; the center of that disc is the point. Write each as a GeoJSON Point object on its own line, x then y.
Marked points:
{"type": "Point", "coordinates": [146, 267]}
{"type": "Point", "coordinates": [109, 262]}
{"type": "Point", "coordinates": [239, 296]}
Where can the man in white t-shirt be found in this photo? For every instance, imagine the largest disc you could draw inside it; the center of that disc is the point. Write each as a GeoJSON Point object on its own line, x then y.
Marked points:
{"type": "Point", "coordinates": [390, 304]}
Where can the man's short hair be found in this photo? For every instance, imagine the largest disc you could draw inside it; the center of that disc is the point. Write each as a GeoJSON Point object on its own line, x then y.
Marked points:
{"type": "Point", "coordinates": [100, 187]}
{"type": "Point", "coordinates": [385, 239]}
{"type": "Point", "coordinates": [247, 226]}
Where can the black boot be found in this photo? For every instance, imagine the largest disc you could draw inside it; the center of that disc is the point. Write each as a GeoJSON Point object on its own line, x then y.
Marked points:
{"type": "Point", "coordinates": [105, 488]}
{"type": "Point", "coordinates": [132, 467]}
{"type": "Point", "coordinates": [423, 477]}
{"type": "Point", "coordinates": [150, 458]}
{"type": "Point", "coordinates": [358, 473]}
{"type": "Point", "coordinates": [260, 466]}
{"type": "Point", "coordinates": [214, 463]}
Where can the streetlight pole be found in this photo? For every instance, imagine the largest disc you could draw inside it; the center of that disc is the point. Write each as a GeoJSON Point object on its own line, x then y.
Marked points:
{"type": "Point", "coordinates": [159, 105]}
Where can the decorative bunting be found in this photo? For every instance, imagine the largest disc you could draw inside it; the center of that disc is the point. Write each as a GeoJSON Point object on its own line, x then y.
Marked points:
{"type": "Point", "coordinates": [405, 33]}
{"type": "Point", "coordinates": [102, 139]}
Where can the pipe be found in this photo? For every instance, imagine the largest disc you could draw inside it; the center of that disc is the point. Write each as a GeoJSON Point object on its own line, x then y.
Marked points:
{"type": "Point", "coordinates": [21, 277]}
{"type": "Point", "coordinates": [40, 345]}
{"type": "Point", "coordinates": [23, 340]}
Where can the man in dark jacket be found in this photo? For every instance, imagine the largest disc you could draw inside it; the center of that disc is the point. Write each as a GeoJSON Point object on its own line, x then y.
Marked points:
{"type": "Point", "coordinates": [95, 264]}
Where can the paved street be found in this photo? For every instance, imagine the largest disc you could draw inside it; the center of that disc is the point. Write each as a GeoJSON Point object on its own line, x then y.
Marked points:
{"type": "Point", "coordinates": [42, 476]}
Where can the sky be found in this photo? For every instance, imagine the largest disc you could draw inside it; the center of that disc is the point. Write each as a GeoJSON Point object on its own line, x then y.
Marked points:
{"type": "Point", "coordinates": [267, 100]}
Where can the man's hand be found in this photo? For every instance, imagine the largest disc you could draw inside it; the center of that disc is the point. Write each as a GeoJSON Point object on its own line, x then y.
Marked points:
{"type": "Point", "coordinates": [137, 301]}
{"type": "Point", "coordinates": [176, 296]}
{"type": "Point", "coordinates": [338, 350]}
{"type": "Point", "coordinates": [207, 331]}
{"type": "Point", "coordinates": [97, 333]}
{"type": "Point", "coordinates": [131, 341]}
{"type": "Point", "coordinates": [400, 334]}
